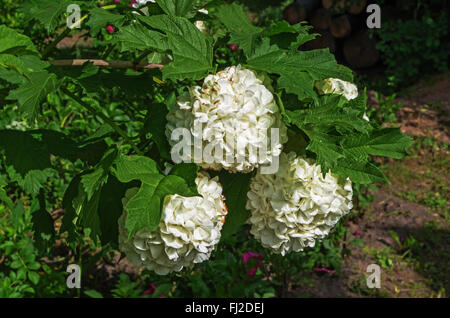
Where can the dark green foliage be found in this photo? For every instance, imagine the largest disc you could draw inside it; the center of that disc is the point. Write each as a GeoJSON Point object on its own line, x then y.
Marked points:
{"type": "Point", "coordinates": [413, 48]}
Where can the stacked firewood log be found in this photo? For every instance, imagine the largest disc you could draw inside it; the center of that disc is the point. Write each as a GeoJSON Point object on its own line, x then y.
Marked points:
{"type": "Point", "coordinates": [342, 28]}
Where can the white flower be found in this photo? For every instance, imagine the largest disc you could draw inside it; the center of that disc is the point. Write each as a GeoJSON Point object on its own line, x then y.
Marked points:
{"type": "Point", "coordinates": [293, 208]}
{"type": "Point", "coordinates": [18, 125]}
{"type": "Point", "coordinates": [189, 229]}
{"type": "Point", "coordinates": [235, 112]}
{"type": "Point", "coordinates": [337, 86]}
{"type": "Point", "coordinates": [140, 3]}
{"type": "Point", "coordinates": [202, 26]}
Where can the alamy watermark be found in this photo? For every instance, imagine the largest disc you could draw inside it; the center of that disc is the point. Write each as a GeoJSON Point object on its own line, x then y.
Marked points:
{"type": "Point", "coordinates": [74, 278]}
{"type": "Point", "coordinates": [74, 17]}
{"type": "Point", "coordinates": [374, 19]}
{"type": "Point", "coordinates": [374, 279]}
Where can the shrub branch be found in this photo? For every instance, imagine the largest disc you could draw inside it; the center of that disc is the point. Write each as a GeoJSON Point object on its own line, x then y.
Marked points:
{"type": "Point", "coordinates": [103, 63]}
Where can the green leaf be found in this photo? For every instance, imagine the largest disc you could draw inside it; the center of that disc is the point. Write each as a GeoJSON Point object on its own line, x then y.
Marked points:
{"type": "Point", "coordinates": [70, 196]}
{"type": "Point", "coordinates": [329, 115]}
{"type": "Point", "coordinates": [192, 51]}
{"type": "Point", "coordinates": [31, 94]}
{"type": "Point", "coordinates": [42, 220]}
{"type": "Point", "coordinates": [145, 208]}
{"type": "Point", "coordinates": [90, 150]}
{"type": "Point", "coordinates": [189, 172]}
{"type": "Point", "coordinates": [358, 103]}
{"type": "Point", "coordinates": [88, 216]}
{"type": "Point", "coordinates": [328, 153]}
{"type": "Point", "coordinates": [280, 27]}
{"type": "Point", "coordinates": [359, 172]}
{"type": "Point", "coordinates": [6, 200]}
{"type": "Point", "coordinates": [134, 167]}
{"type": "Point", "coordinates": [110, 209]}
{"type": "Point", "coordinates": [100, 18]}
{"type": "Point", "coordinates": [11, 76]}
{"type": "Point", "coordinates": [16, 264]}
{"type": "Point", "coordinates": [12, 62]}
{"type": "Point", "coordinates": [31, 150]}
{"type": "Point", "coordinates": [299, 83]}
{"type": "Point", "coordinates": [95, 180]}
{"type": "Point", "coordinates": [319, 64]}
{"type": "Point", "coordinates": [93, 293]}
{"type": "Point", "coordinates": [138, 37]}
{"type": "Point", "coordinates": [235, 188]}
{"type": "Point", "coordinates": [288, 36]}
{"type": "Point", "coordinates": [176, 7]}
{"type": "Point", "coordinates": [80, 211]}
{"type": "Point", "coordinates": [155, 124]}
{"type": "Point", "coordinates": [131, 83]}
{"type": "Point", "coordinates": [386, 142]}
{"type": "Point", "coordinates": [15, 43]}
{"type": "Point", "coordinates": [17, 215]}
{"type": "Point", "coordinates": [33, 180]}
{"type": "Point", "coordinates": [48, 12]}
{"type": "Point", "coordinates": [266, 53]}
{"type": "Point", "coordinates": [343, 141]}
{"type": "Point", "coordinates": [33, 277]}
{"type": "Point", "coordinates": [243, 33]}
{"type": "Point", "coordinates": [23, 151]}
{"type": "Point", "coordinates": [301, 39]}
{"type": "Point", "coordinates": [162, 290]}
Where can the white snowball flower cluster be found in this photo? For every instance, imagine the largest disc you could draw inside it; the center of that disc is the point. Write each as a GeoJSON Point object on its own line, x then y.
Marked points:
{"type": "Point", "coordinates": [235, 112]}
{"type": "Point", "coordinates": [337, 86]}
{"type": "Point", "coordinates": [293, 208]}
{"type": "Point", "coordinates": [189, 229]}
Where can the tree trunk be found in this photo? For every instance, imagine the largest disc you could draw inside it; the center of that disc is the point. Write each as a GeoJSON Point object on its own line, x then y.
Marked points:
{"type": "Point", "coordinates": [340, 26]}
{"type": "Point", "coordinates": [309, 5]}
{"type": "Point", "coordinates": [358, 8]}
{"type": "Point", "coordinates": [321, 19]}
{"type": "Point", "coordinates": [294, 14]}
{"type": "Point", "coordinates": [360, 51]}
{"type": "Point", "coordinates": [334, 5]}
{"type": "Point", "coordinates": [325, 40]}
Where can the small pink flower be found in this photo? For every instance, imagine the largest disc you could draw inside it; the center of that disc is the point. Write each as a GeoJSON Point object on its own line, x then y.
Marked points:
{"type": "Point", "coordinates": [132, 2]}
{"type": "Point", "coordinates": [232, 46]}
{"type": "Point", "coordinates": [116, 1]}
{"type": "Point", "coordinates": [151, 290]}
{"type": "Point", "coordinates": [356, 233]}
{"type": "Point", "coordinates": [247, 256]}
{"type": "Point", "coordinates": [109, 29]}
{"type": "Point", "coordinates": [323, 270]}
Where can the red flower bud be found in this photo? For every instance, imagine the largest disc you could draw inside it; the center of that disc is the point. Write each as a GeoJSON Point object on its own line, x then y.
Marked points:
{"type": "Point", "coordinates": [109, 29]}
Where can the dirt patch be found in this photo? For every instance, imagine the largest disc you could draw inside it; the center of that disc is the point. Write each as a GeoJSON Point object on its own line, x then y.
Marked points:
{"type": "Point", "coordinates": [426, 108]}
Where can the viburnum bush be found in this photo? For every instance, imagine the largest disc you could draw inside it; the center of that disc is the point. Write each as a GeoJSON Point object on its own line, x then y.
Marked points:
{"type": "Point", "coordinates": [277, 137]}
